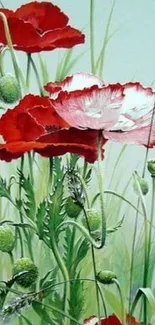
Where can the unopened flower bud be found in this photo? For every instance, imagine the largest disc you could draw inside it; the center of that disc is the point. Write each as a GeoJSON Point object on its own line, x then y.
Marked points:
{"type": "Point", "coordinates": [106, 277]}
{"type": "Point", "coordinates": [6, 239]}
{"type": "Point", "coordinates": [9, 89]}
{"type": "Point", "coordinates": [72, 209]}
{"type": "Point", "coordinates": [31, 272]}
{"type": "Point", "coordinates": [142, 183]}
{"type": "Point", "coordinates": [94, 220]}
{"type": "Point", "coordinates": [151, 167]}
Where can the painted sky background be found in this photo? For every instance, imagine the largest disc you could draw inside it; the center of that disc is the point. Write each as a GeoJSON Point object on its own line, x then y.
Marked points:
{"type": "Point", "coordinates": [130, 55]}
{"type": "Point", "coordinates": [131, 52]}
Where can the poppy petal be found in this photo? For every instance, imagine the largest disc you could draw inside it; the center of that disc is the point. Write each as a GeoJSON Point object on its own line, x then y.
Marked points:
{"type": "Point", "coordinates": [58, 143]}
{"type": "Point", "coordinates": [36, 106]}
{"type": "Point", "coordinates": [37, 12]}
{"type": "Point", "coordinates": [78, 81]}
{"type": "Point", "coordinates": [95, 108]}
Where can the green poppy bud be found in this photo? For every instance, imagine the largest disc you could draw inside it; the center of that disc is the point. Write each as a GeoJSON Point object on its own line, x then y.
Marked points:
{"type": "Point", "coordinates": [94, 220]}
{"type": "Point", "coordinates": [72, 209]}
{"type": "Point", "coordinates": [9, 89]}
{"type": "Point", "coordinates": [31, 272]}
{"type": "Point", "coordinates": [106, 277]}
{"type": "Point", "coordinates": [6, 239]}
{"type": "Point", "coordinates": [151, 167]}
{"type": "Point", "coordinates": [143, 185]}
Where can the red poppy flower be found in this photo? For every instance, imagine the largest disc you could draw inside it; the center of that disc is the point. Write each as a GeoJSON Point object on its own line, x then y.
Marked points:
{"type": "Point", "coordinates": [123, 112]}
{"type": "Point", "coordinates": [111, 320]}
{"type": "Point", "coordinates": [34, 125]}
{"type": "Point", "coordinates": [43, 27]}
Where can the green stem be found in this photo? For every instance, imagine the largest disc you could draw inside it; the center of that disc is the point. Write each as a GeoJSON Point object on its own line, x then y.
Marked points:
{"type": "Point", "coordinates": [28, 70]}
{"type": "Point", "coordinates": [122, 301]}
{"type": "Point", "coordinates": [21, 242]}
{"type": "Point", "coordinates": [151, 224]}
{"type": "Point", "coordinates": [31, 167]}
{"type": "Point", "coordinates": [92, 56]}
{"type": "Point", "coordinates": [11, 258]}
{"type": "Point", "coordinates": [94, 270]}
{"type": "Point", "coordinates": [105, 42]}
{"type": "Point", "coordinates": [71, 251]}
{"type": "Point", "coordinates": [82, 229]}
{"type": "Point", "coordinates": [60, 312]}
{"type": "Point", "coordinates": [64, 271]}
{"type": "Point", "coordinates": [42, 92]}
{"type": "Point", "coordinates": [145, 243]}
{"type": "Point", "coordinates": [75, 280]}
{"type": "Point", "coordinates": [1, 4]}
{"type": "Point", "coordinates": [50, 174]}
{"type": "Point", "coordinates": [10, 45]}
{"type": "Point", "coordinates": [136, 221]}
{"type": "Point", "coordinates": [27, 235]}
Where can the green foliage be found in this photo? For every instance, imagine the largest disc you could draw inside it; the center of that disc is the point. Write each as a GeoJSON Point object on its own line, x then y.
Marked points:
{"type": "Point", "coordinates": [76, 303]}
{"type": "Point", "coordinates": [29, 204]}
{"type": "Point", "coordinates": [5, 189]}
{"type": "Point", "coordinates": [40, 217]}
{"type": "Point", "coordinates": [55, 204]}
{"type": "Point", "coordinates": [43, 313]}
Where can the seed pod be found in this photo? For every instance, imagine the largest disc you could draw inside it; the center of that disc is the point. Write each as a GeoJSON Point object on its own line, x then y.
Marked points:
{"type": "Point", "coordinates": [151, 167]}
{"type": "Point", "coordinates": [6, 239]}
{"type": "Point", "coordinates": [9, 89]}
{"type": "Point", "coordinates": [106, 277]}
{"type": "Point", "coordinates": [72, 209]}
{"type": "Point", "coordinates": [22, 265]}
{"type": "Point", "coordinates": [94, 220]}
{"type": "Point", "coordinates": [143, 185]}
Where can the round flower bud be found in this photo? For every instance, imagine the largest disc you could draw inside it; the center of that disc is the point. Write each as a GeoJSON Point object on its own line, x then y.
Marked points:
{"type": "Point", "coordinates": [143, 185]}
{"type": "Point", "coordinates": [151, 167]}
{"type": "Point", "coordinates": [106, 277]}
{"type": "Point", "coordinates": [72, 209]}
{"type": "Point", "coordinates": [94, 220]}
{"type": "Point", "coordinates": [6, 239]}
{"type": "Point", "coordinates": [9, 89]}
{"type": "Point", "coordinates": [28, 278]}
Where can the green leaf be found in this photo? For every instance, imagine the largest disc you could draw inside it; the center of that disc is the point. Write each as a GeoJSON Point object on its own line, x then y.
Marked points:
{"type": "Point", "coordinates": [116, 227]}
{"type": "Point", "coordinates": [55, 213]}
{"type": "Point", "coordinates": [41, 311]}
{"type": "Point", "coordinates": [81, 250]}
{"type": "Point", "coordinates": [40, 217]}
{"type": "Point", "coordinates": [4, 189]}
{"type": "Point", "coordinates": [29, 203]}
{"type": "Point", "coordinates": [44, 70]}
{"type": "Point", "coordinates": [76, 302]}
{"type": "Point", "coordinates": [147, 292]}
{"type": "Point", "coordinates": [26, 320]}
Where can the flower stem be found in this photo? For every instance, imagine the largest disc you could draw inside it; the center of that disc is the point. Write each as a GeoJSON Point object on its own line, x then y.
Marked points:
{"type": "Point", "coordinates": [42, 92]}
{"type": "Point", "coordinates": [13, 56]}
{"type": "Point", "coordinates": [30, 167]}
{"type": "Point", "coordinates": [94, 270]}
{"type": "Point", "coordinates": [92, 56]}
{"type": "Point", "coordinates": [122, 301]}
{"type": "Point", "coordinates": [65, 274]}
{"type": "Point", "coordinates": [28, 70]}
{"type": "Point", "coordinates": [145, 244]}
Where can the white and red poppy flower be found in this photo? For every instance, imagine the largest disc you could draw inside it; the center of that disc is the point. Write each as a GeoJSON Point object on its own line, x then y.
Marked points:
{"type": "Point", "coordinates": [123, 112]}
{"type": "Point", "coordinates": [85, 102]}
